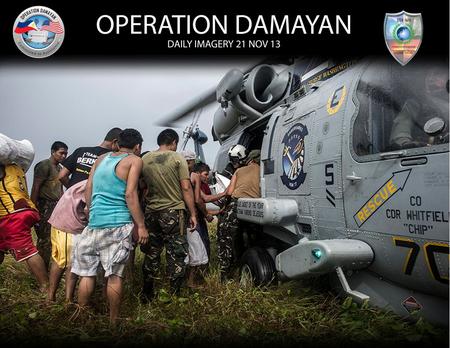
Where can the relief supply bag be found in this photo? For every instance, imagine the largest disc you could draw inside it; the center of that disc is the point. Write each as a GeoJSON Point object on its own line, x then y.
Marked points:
{"type": "Point", "coordinates": [20, 152]}
{"type": "Point", "coordinates": [197, 252]}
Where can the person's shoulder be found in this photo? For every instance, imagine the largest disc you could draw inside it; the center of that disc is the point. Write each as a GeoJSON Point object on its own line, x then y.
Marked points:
{"type": "Point", "coordinates": [239, 170]}
{"type": "Point", "coordinates": [145, 154]}
{"type": "Point", "coordinates": [175, 155]}
{"type": "Point", "coordinates": [195, 177]}
{"type": "Point", "coordinates": [77, 152]}
{"type": "Point", "coordinates": [132, 158]}
{"type": "Point", "coordinates": [44, 162]}
{"type": "Point", "coordinates": [102, 156]}
{"type": "Point", "coordinates": [42, 166]}
{"type": "Point", "coordinates": [97, 150]}
{"type": "Point", "coordinates": [149, 155]}
{"type": "Point", "coordinates": [13, 167]}
{"type": "Point", "coordinates": [81, 149]}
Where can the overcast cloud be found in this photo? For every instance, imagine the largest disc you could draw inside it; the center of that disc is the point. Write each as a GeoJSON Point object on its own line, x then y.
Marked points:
{"type": "Point", "coordinates": [78, 103]}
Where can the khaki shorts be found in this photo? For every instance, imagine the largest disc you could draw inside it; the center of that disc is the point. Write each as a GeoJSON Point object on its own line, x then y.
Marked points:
{"type": "Point", "coordinates": [61, 247]}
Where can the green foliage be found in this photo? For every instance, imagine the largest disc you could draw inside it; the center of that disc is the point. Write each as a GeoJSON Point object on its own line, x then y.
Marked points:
{"type": "Point", "coordinates": [293, 313]}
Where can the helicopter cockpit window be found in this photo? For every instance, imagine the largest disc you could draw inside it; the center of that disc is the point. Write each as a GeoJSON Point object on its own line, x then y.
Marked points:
{"type": "Point", "coordinates": [402, 108]}
{"type": "Point", "coordinates": [303, 66]}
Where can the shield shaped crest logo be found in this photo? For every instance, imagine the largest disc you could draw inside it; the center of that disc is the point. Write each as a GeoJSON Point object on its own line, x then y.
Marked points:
{"type": "Point", "coordinates": [403, 33]}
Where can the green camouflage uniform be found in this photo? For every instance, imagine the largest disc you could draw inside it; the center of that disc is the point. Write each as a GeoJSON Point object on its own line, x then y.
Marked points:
{"type": "Point", "coordinates": [166, 228]}
{"type": "Point", "coordinates": [43, 229]}
{"type": "Point", "coordinates": [165, 218]}
{"type": "Point", "coordinates": [229, 239]}
{"type": "Point", "coordinates": [49, 193]}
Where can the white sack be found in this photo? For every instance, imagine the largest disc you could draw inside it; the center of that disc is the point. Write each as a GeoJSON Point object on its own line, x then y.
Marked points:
{"type": "Point", "coordinates": [197, 252]}
{"type": "Point", "coordinates": [20, 152]}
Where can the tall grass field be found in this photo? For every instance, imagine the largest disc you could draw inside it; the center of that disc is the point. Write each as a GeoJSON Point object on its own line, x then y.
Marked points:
{"type": "Point", "coordinates": [296, 314]}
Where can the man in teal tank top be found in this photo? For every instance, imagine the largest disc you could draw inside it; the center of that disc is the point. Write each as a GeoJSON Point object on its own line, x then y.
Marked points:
{"type": "Point", "coordinates": [112, 200]}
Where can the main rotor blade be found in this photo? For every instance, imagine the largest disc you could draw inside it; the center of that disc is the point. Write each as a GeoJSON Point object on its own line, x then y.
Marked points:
{"type": "Point", "coordinates": [202, 100]}
{"type": "Point", "coordinates": [207, 97]}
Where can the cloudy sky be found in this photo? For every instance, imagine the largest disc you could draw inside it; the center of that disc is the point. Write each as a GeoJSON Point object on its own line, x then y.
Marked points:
{"type": "Point", "coordinates": [78, 102]}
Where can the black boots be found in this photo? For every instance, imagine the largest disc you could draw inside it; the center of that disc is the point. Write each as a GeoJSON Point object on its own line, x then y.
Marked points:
{"type": "Point", "coordinates": [175, 285]}
{"type": "Point", "coordinates": [148, 292]}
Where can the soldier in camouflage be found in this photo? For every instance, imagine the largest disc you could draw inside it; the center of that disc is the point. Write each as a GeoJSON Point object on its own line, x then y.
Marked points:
{"type": "Point", "coordinates": [228, 237]}
{"type": "Point", "coordinates": [166, 228]}
{"type": "Point", "coordinates": [230, 244]}
{"type": "Point", "coordinates": [45, 193]}
{"type": "Point", "coordinates": [168, 193]}
{"type": "Point", "coordinates": [43, 229]}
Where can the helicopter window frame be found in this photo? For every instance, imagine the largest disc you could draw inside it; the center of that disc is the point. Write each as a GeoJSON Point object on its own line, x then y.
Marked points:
{"type": "Point", "coordinates": [254, 131]}
{"type": "Point", "coordinates": [354, 127]}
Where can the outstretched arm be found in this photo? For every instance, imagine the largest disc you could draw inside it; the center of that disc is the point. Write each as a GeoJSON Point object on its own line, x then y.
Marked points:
{"type": "Point", "coordinates": [211, 198]}
{"type": "Point", "coordinates": [232, 186]}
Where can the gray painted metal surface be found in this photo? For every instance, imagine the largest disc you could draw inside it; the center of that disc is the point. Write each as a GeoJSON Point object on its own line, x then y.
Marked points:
{"type": "Point", "coordinates": [331, 172]}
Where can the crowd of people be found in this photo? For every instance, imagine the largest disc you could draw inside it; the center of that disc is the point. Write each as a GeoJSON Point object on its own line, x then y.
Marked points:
{"type": "Point", "coordinates": [117, 198]}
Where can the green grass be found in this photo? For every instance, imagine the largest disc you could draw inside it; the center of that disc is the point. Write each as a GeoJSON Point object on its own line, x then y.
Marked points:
{"type": "Point", "coordinates": [291, 314]}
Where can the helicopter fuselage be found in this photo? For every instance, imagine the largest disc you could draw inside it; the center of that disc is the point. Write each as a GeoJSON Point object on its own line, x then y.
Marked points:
{"type": "Point", "coordinates": [337, 152]}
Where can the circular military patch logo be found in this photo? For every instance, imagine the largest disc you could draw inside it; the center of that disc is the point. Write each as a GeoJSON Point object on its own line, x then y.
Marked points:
{"type": "Point", "coordinates": [294, 156]}
{"type": "Point", "coordinates": [38, 32]}
{"type": "Point", "coordinates": [403, 33]}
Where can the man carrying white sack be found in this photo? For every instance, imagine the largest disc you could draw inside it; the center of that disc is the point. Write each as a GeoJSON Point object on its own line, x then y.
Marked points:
{"type": "Point", "coordinates": [17, 212]}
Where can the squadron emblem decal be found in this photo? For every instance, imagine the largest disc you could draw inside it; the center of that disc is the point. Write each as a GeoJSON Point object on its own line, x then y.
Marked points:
{"type": "Point", "coordinates": [403, 35]}
{"type": "Point", "coordinates": [294, 156]}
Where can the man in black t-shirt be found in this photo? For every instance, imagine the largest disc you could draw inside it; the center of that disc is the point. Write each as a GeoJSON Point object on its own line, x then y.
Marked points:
{"type": "Point", "coordinates": [78, 165]}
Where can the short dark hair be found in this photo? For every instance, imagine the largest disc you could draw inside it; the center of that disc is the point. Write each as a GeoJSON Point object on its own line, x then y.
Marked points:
{"type": "Point", "coordinates": [129, 138]}
{"type": "Point", "coordinates": [201, 167]}
{"type": "Point", "coordinates": [113, 134]}
{"type": "Point", "coordinates": [167, 136]}
{"type": "Point", "coordinates": [58, 145]}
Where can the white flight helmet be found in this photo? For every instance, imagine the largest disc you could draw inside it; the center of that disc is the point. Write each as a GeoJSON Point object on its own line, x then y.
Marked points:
{"type": "Point", "coordinates": [237, 154]}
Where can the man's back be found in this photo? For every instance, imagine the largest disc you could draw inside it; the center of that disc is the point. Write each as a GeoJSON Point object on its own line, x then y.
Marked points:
{"type": "Point", "coordinates": [109, 207]}
{"type": "Point", "coordinates": [80, 162]}
{"type": "Point", "coordinates": [247, 182]}
{"type": "Point", "coordinates": [162, 172]}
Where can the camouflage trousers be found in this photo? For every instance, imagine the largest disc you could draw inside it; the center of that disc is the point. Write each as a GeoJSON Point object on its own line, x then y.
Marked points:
{"type": "Point", "coordinates": [43, 229]}
{"type": "Point", "coordinates": [167, 229]}
{"type": "Point", "coordinates": [229, 239]}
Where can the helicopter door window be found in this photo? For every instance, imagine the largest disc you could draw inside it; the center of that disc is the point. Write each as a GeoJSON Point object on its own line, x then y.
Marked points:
{"type": "Point", "coordinates": [402, 108]}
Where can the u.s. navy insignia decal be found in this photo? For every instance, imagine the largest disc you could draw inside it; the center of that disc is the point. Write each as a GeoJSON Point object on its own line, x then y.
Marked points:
{"type": "Point", "coordinates": [294, 156]}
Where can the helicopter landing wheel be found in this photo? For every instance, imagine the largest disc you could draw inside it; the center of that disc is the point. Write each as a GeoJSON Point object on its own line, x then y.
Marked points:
{"type": "Point", "coordinates": [257, 268]}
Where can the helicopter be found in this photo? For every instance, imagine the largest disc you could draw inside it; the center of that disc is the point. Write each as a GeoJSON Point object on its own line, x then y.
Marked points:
{"type": "Point", "coordinates": [354, 175]}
